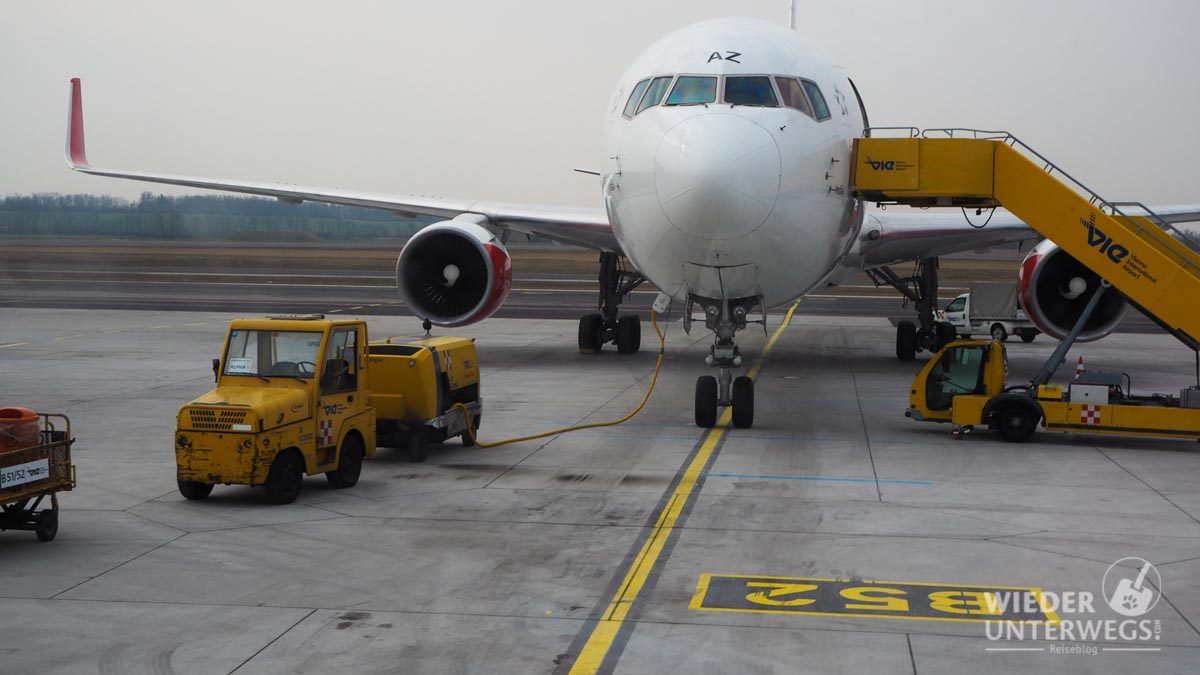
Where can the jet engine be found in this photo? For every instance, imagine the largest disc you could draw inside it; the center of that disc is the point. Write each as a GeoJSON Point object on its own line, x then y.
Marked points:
{"type": "Point", "coordinates": [454, 273]}
{"type": "Point", "coordinates": [1055, 288]}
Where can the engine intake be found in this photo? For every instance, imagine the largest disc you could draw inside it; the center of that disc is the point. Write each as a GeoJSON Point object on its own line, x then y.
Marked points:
{"type": "Point", "coordinates": [453, 273]}
{"type": "Point", "coordinates": [1055, 288]}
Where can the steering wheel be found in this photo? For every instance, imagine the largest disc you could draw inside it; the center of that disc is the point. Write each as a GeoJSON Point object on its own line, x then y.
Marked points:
{"type": "Point", "coordinates": [306, 367]}
{"type": "Point", "coordinates": [944, 380]}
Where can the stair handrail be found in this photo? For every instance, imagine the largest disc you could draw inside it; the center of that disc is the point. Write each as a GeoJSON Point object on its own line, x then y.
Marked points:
{"type": "Point", "coordinates": [1093, 196]}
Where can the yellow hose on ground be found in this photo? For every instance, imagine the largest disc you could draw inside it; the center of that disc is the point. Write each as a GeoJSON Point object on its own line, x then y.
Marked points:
{"type": "Point", "coordinates": [662, 348]}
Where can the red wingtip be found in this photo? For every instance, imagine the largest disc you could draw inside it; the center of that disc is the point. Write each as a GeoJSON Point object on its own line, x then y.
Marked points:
{"type": "Point", "coordinates": [76, 153]}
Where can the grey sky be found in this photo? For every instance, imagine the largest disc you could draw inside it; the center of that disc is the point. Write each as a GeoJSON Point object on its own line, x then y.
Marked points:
{"type": "Point", "coordinates": [500, 100]}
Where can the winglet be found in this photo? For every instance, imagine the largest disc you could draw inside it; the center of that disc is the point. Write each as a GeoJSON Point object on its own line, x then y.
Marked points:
{"type": "Point", "coordinates": [76, 154]}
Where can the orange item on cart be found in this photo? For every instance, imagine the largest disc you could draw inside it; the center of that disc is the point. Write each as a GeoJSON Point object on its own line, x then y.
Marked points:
{"type": "Point", "coordinates": [19, 429]}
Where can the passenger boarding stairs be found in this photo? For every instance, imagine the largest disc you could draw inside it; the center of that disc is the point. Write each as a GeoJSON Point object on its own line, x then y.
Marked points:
{"type": "Point", "coordinates": [967, 168]}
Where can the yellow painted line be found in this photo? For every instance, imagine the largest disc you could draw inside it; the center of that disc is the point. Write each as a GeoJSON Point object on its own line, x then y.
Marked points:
{"type": "Point", "coordinates": [13, 344]}
{"type": "Point", "coordinates": [198, 323]}
{"type": "Point", "coordinates": [158, 327]}
{"type": "Point", "coordinates": [358, 307]}
{"type": "Point", "coordinates": [119, 330]}
{"type": "Point", "coordinates": [68, 337]}
{"type": "Point", "coordinates": [601, 639]}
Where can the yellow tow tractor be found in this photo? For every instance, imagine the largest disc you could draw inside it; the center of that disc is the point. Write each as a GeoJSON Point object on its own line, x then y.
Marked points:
{"type": "Point", "coordinates": [964, 385]}
{"type": "Point", "coordinates": [303, 395]}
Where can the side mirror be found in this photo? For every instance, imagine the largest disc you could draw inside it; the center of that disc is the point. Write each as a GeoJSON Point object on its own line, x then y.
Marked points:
{"type": "Point", "coordinates": [216, 369]}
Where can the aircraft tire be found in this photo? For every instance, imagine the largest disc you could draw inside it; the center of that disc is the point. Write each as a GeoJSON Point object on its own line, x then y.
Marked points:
{"type": "Point", "coordinates": [743, 402]}
{"type": "Point", "coordinates": [906, 341]}
{"type": "Point", "coordinates": [706, 402]}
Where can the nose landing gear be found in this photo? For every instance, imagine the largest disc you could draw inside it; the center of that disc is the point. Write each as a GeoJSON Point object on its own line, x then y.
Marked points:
{"type": "Point", "coordinates": [616, 283]}
{"type": "Point", "coordinates": [724, 318]}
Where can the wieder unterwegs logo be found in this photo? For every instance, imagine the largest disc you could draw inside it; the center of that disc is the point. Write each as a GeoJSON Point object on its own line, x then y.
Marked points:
{"type": "Point", "coordinates": [1127, 587]}
{"type": "Point", "coordinates": [1131, 587]}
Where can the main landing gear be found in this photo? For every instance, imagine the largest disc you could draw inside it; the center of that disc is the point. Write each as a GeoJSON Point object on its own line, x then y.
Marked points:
{"type": "Point", "coordinates": [724, 318]}
{"type": "Point", "coordinates": [921, 288]}
{"type": "Point", "coordinates": [616, 283]}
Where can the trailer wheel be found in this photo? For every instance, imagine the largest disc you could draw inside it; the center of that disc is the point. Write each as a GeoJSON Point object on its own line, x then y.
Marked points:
{"type": "Point", "coordinates": [1028, 337]}
{"type": "Point", "coordinates": [467, 441]}
{"type": "Point", "coordinates": [286, 477]}
{"type": "Point", "coordinates": [192, 489]}
{"type": "Point", "coordinates": [349, 466]}
{"type": "Point", "coordinates": [1016, 423]}
{"type": "Point", "coordinates": [418, 444]}
{"type": "Point", "coordinates": [47, 527]}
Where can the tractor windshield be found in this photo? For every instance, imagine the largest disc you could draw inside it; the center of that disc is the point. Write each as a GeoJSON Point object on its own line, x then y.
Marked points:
{"type": "Point", "coordinates": [273, 353]}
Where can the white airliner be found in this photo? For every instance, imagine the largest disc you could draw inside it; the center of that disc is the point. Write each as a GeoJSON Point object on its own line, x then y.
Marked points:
{"type": "Point", "coordinates": [727, 187]}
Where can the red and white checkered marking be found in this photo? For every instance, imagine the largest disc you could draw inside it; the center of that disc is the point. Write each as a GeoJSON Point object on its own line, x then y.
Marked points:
{"type": "Point", "coordinates": [1089, 414]}
{"type": "Point", "coordinates": [325, 433]}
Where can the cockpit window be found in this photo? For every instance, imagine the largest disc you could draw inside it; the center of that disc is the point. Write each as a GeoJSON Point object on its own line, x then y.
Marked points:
{"type": "Point", "coordinates": [793, 95]}
{"type": "Point", "coordinates": [634, 97]}
{"type": "Point", "coordinates": [693, 90]}
{"type": "Point", "coordinates": [654, 93]}
{"type": "Point", "coordinates": [750, 90]}
{"type": "Point", "coordinates": [818, 100]}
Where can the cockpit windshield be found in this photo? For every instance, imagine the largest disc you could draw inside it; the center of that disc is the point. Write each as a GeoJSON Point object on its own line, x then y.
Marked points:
{"type": "Point", "coordinates": [750, 90]}
{"type": "Point", "coordinates": [634, 97]}
{"type": "Point", "coordinates": [817, 98]}
{"type": "Point", "coordinates": [693, 90]}
{"type": "Point", "coordinates": [273, 353]}
{"type": "Point", "coordinates": [654, 93]}
{"type": "Point", "coordinates": [765, 91]}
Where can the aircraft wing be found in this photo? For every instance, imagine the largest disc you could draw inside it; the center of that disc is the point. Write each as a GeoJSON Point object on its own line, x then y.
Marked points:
{"type": "Point", "coordinates": [902, 234]}
{"type": "Point", "coordinates": [589, 228]}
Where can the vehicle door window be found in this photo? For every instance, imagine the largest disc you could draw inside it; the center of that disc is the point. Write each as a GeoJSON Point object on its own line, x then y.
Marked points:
{"type": "Point", "coordinates": [958, 371]}
{"type": "Point", "coordinates": [956, 305]}
{"type": "Point", "coordinates": [340, 371]}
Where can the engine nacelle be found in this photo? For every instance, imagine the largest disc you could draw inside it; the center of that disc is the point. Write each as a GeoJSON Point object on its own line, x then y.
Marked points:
{"type": "Point", "coordinates": [454, 273]}
{"type": "Point", "coordinates": [1055, 288]}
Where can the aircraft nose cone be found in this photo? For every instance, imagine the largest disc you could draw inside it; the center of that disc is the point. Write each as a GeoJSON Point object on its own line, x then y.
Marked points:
{"type": "Point", "coordinates": [717, 175]}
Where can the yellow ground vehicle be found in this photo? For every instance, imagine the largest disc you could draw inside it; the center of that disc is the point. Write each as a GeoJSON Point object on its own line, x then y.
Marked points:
{"type": "Point", "coordinates": [416, 385]}
{"type": "Point", "coordinates": [964, 385]}
{"type": "Point", "coordinates": [298, 395]}
{"type": "Point", "coordinates": [292, 398]}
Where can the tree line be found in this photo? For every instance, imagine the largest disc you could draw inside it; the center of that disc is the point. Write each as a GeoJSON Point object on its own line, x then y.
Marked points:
{"type": "Point", "coordinates": [197, 217]}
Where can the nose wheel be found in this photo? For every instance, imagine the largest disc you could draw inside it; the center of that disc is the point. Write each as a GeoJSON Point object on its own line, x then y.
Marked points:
{"type": "Point", "coordinates": [738, 396]}
{"type": "Point", "coordinates": [724, 318]}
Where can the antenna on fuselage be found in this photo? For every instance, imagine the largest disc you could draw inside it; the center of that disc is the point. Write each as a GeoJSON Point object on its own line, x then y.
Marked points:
{"type": "Point", "coordinates": [792, 14]}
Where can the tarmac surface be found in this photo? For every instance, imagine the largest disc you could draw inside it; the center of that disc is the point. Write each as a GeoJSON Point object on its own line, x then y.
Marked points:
{"type": "Point", "coordinates": [645, 548]}
{"type": "Point", "coordinates": [550, 282]}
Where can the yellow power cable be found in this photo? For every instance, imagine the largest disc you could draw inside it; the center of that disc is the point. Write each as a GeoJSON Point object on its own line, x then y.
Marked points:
{"type": "Point", "coordinates": [662, 348]}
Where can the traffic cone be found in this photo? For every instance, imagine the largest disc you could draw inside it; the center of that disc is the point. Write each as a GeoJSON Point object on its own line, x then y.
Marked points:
{"type": "Point", "coordinates": [1079, 368]}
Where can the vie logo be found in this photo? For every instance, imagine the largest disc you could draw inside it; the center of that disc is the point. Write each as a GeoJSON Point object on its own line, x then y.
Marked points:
{"type": "Point", "coordinates": [1098, 240]}
{"type": "Point", "coordinates": [887, 164]}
